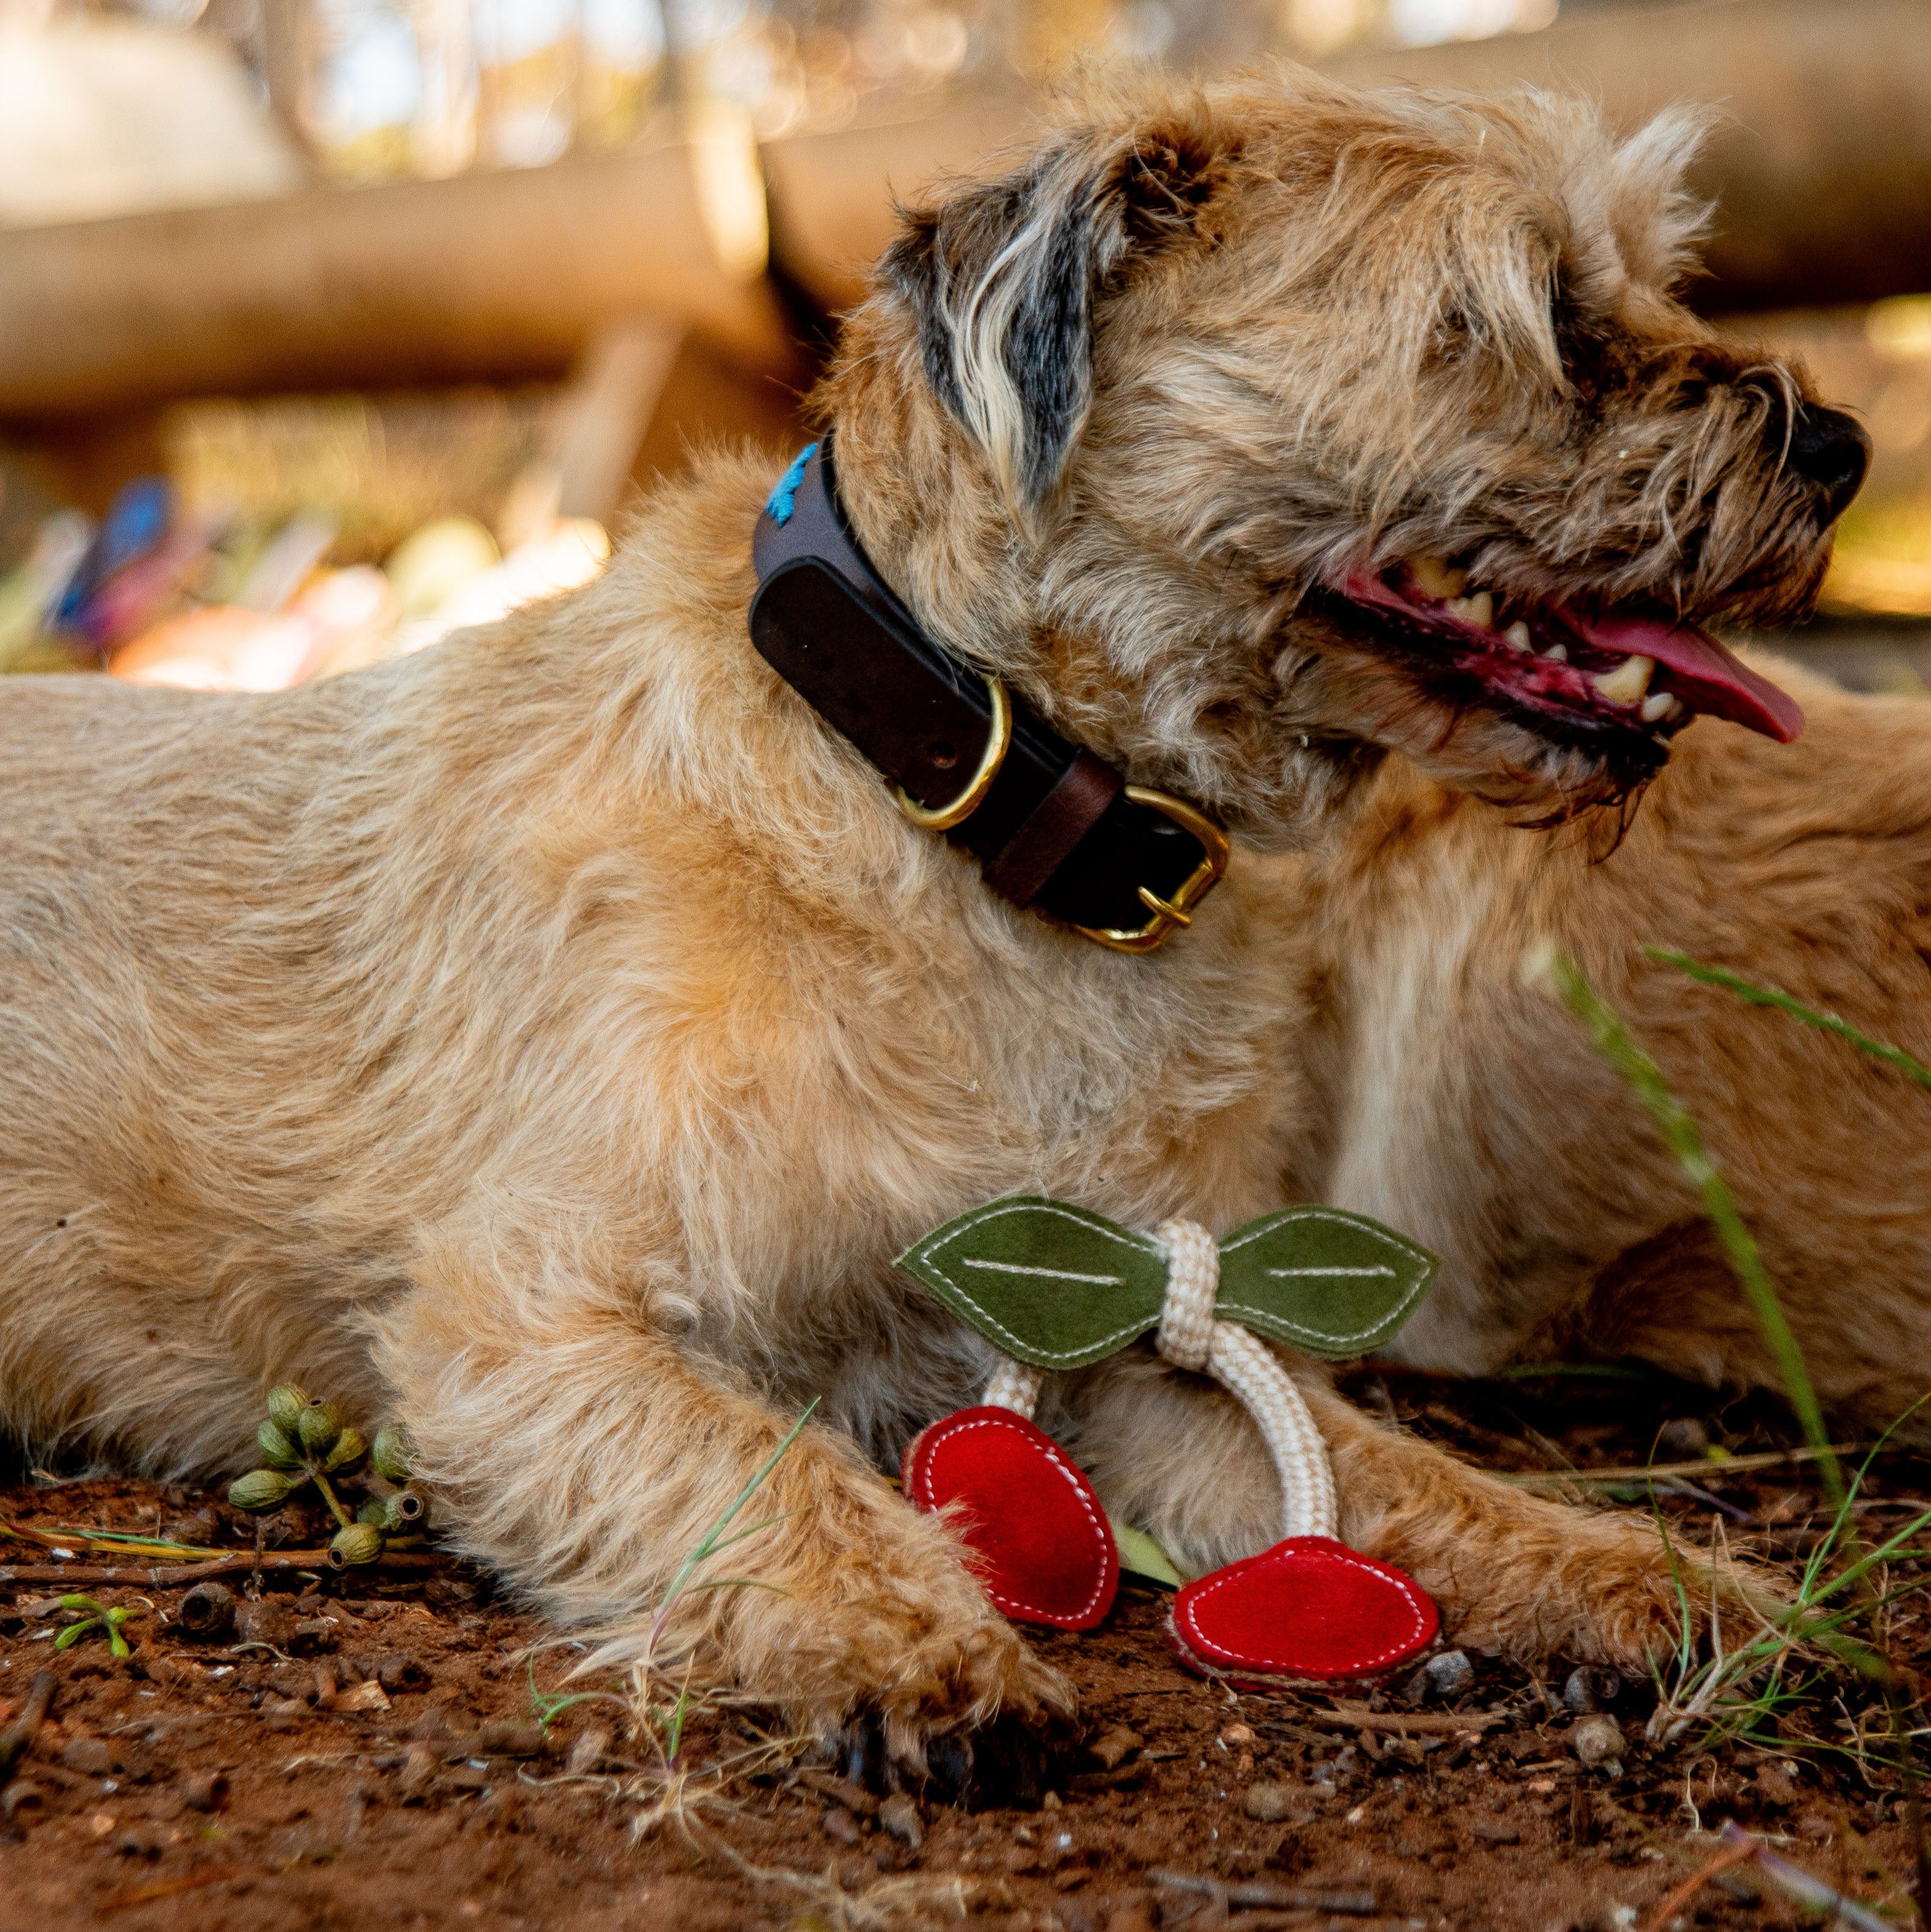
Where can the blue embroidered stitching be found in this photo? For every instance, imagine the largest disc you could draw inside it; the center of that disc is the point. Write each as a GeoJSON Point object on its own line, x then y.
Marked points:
{"type": "Point", "coordinates": [784, 500]}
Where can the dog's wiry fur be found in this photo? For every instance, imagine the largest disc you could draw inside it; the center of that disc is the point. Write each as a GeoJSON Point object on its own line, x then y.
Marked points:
{"type": "Point", "coordinates": [552, 1037]}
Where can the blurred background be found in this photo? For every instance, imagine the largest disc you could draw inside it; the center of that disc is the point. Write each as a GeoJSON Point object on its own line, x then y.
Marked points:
{"type": "Point", "coordinates": [328, 325]}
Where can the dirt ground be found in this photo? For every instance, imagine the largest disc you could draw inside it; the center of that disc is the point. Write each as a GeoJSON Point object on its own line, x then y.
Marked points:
{"type": "Point", "coordinates": [372, 1758]}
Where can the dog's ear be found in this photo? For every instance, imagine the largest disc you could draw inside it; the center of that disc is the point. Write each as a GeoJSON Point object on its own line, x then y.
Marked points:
{"type": "Point", "coordinates": [1005, 275]}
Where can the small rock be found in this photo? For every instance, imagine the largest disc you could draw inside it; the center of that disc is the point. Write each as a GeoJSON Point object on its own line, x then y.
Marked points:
{"type": "Point", "coordinates": [1113, 1747]}
{"type": "Point", "coordinates": [92, 1757]}
{"type": "Point", "coordinates": [1774, 1788]}
{"type": "Point", "coordinates": [899, 1815]}
{"type": "Point", "coordinates": [1052, 1802]}
{"type": "Point", "coordinates": [1449, 1675]}
{"type": "Point", "coordinates": [1681, 1438]}
{"type": "Point", "coordinates": [205, 1791]}
{"type": "Point", "coordinates": [395, 1670]}
{"type": "Point", "coordinates": [1268, 1803]}
{"type": "Point", "coordinates": [1589, 1689]}
{"type": "Point", "coordinates": [588, 1752]}
{"type": "Point", "coordinates": [840, 1827]}
{"type": "Point", "coordinates": [1597, 1740]}
{"type": "Point", "coordinates": [1236, 1736]}
{"type": "Point", "coordinates": [139, 1841]}
{"type": "Point", "coordinates": [294, 1681]}
{"type": "Point", "coordinates": [263, 1620]}
{"type": "Point", "coordinates": [1495, 1832]}
{"type": "Point", "coordinates": [509, 1737]}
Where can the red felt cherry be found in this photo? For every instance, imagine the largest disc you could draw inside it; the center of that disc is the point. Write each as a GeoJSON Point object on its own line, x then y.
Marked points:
{"type": "Point", "coordinates": [1308, 1607]}
{"type": "Point", "coordinates": [1045, 1550]}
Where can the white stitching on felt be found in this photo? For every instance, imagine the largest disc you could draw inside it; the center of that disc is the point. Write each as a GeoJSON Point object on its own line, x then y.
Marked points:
{"type": "Point", "coordinates": [1017, 1343]}
{"type": "Point", "coordinates": [1055, 1274]}
{"type": "Point", "coordinates": [1322, 1335]}
{"type": "Point", "coordinates": [1013, 1606]}
{"type": "Point", "coordinates": [1339, 1554]}
{"type": "Point", "coordinates": [1400, 1309]}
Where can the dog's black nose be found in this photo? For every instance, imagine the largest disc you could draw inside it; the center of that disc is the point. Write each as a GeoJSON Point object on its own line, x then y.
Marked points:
{"type": "Point", "coordinates": [1832, 450]}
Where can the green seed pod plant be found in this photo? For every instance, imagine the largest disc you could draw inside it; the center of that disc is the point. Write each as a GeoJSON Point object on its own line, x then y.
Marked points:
{"type": "Point", "coordinates": [92, 1616]}
{"type": "Point", "coordinates": [320, 1426]}
{"type": "Point", "coordinates": [355, 1543]}
{"type": "Point", "coordinates": [286, 1404]}
{"type": "Point", "coordinates": [375, 1513]}
{"type": "Point", "coordinates": [261, 1490]}
{"type": "Point", "coordinates": [349, 1447]}
{"type": "Point", "coordinates": [277, 1451]}
{"type": "Point", "coordinates": [391, 1453]}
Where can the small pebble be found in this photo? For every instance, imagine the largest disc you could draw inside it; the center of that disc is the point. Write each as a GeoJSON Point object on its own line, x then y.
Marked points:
{"type": "Point", "coordinates": [1051, 1802]}
{"type": "Point", "coordinates": [840, 1827]}
{"type": "Point", "coordinates": [509, 1737]}
{"type": "Point", "coordinates": [1449, 1675]}
{"type": "Point", "coordinates": [1684, 1437]}
{"type": "Point", "coordinates": [92, 1757]}
{"type": "Point", "coordinates": [263, 1621]}
{"type": "Point", "coordinates": [899, 1815]}
{"type": "Point", "coordinates": [589, 1751]}
{"type": "Point", "coordinates": [1268, 1803]}
{"type": "Point", "coordinates": [1596, 1740]}
{"type": "Point", "coordinates": [205, 1791]}
{"type": "Point", "coordinates": [1589, 1689]}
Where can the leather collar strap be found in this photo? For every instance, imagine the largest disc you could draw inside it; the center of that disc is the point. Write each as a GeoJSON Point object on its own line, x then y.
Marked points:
{"type": "Point", "coordinates": [1053, 827]}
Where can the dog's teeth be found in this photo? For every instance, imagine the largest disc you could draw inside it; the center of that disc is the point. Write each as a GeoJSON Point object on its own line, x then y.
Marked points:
{"type": "Point", "coordinates": [1627, 682]}
{"type": "Point", "coordinates": [1656, 706]}
{"type": "Point", "coordinates": [1558, 653]}
{"type": "Point", "coordinates": [1479, 610]}
{"type": "Point", "coordinates": [1517, 636]}
{"type": "Point", "coordinates": [1435, 578]}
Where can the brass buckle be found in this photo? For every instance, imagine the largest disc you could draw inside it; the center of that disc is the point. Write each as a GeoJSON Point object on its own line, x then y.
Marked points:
{"type": "Point", "coordinates": [998, 739]}
{"type": "Point", "coordinates": [1169, 915]}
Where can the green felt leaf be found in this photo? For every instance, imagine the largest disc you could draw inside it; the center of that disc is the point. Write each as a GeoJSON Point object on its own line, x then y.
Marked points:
{"type": "Point", "coordinates": [1318, 1279]}
{"type": "Point", "coordinates": [1052, 1284]}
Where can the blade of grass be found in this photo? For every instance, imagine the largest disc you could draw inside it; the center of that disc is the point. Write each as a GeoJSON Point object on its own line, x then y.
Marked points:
{"type": "Point", "coordinates": [1613, 1039]}
{"type": "Point", "coordinates": [1770, 996]}
{"type": "Point", "coordinates": [708, 1548]}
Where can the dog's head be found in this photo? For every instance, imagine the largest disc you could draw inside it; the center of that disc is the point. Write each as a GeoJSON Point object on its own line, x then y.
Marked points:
{"type": "Point", "coordinates": [1256, 431]}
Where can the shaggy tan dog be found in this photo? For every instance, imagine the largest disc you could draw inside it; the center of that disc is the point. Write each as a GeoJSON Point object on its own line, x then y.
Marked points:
{"type": "Point", "coordinates": [552, 1038]}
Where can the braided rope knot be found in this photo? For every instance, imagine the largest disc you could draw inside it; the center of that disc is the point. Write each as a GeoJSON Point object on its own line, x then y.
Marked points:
{"type": "Point", "coordinates": [1193, 1283]}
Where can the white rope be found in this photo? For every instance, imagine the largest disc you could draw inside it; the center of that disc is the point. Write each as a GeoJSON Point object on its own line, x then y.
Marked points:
{"type": "Point", "coordinates": [1190, 1338]}
{"type": "Point", "coordinates": [1016, 1386]}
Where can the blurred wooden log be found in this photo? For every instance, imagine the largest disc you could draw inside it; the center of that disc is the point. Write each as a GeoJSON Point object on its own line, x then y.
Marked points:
{"type": "Point", "coordinates": [1822, 168]}
{"type": "Point", "coordinates": [1821, 165]}
{"type": "Point", "coordinates": [832, 195]}
{"type": "Point", "coordinates": [489, 275]}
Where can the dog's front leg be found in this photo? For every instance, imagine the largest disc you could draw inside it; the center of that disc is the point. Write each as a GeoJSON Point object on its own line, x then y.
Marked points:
{"type": "Point", "coordinates": [1513, 1573]}
{"type": "Point", "coordinates": [584, 1457]}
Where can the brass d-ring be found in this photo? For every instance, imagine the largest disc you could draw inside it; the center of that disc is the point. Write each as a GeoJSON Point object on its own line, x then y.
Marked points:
{"type": "Point", "coordinates": [998, 738]}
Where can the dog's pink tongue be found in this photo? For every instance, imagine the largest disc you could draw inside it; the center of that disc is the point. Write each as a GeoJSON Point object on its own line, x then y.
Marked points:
{"type": "Point", "coordinates": [1706, 675]}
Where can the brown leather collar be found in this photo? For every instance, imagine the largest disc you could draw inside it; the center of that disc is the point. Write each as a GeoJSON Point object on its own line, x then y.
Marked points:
{"type": "Point", "coordinates": [1053, 826]}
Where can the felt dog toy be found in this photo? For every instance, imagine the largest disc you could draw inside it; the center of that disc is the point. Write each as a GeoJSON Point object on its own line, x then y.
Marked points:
{"type": "Point", "coordinates": [1055, 1287]}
